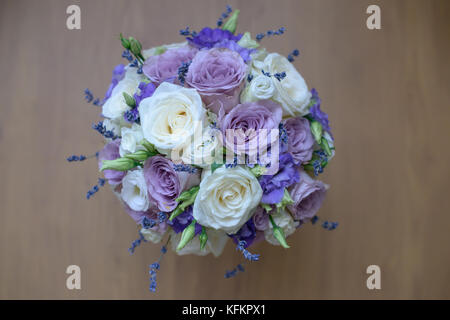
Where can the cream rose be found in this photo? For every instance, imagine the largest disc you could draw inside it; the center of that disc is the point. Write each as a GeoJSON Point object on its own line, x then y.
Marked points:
{"type": "Point", "coordinates": [226, 199]}
{"type": "Point", "coordinates": [217, 240]}
{"type": "Point", "coordinates": [285, 222]}
{"type": "Point", "coordinates": [171, 116]}
{"type": "Point", "coordinates": [115, 106]}
{"type": "Point", "coordinates": [134, 191]}
{"type": "Point", "coordinates": [130, 139]}
{"type": "Point", "coordinates": [203, 149]}
{"type": "Point", "coordinates": [291, 92]}
{"type": "Point", "coordinates": [260, 88]}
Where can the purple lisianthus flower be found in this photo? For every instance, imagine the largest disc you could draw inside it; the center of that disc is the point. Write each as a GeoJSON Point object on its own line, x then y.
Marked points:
{"type": "Point", "coordinates": [261, 219]}
{"type": "Point", "coordinates": [232, 45]}
{"type": "Point", "coordinates": [273, 185]}
{"type": "Point", "coordinates": [208, 38]}
{"type": "Point", "coordinates": [300, 139]}
{"type": "Point", "coordinates": [242, 128]}
{"type": "Point", "coordinates": [145, 90]}
{"type": "Point", "coordinates": [318, 114]}
{"type": "Point", "coordinates": [180, 223]}
{"type": "Point", "coordinates": [117, 75]}
{"type": "Point", "coordinates": [217, 75]}
{"type": "Point", "coordinates": [164, 67]}
{"type": "Point", "coordinates": [246, 233]}
{"type": "Point", "coordinates": [111, 152]}
{"type": "Point", "coordinates": [308, 196]}
{"type": "Point", "coordinates": [164, 184]}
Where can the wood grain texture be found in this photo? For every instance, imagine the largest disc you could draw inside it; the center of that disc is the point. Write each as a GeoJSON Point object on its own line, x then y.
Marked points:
{"type": "Point", "coordinates": [387, 94]}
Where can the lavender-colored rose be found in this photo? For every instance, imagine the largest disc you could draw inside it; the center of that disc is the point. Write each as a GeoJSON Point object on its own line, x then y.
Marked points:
{"type": "Point", "coordinates": [243, 127]}
{"type": "Point", "coordinates": [111, 152]}
{"type": "Point", "coordinates": [261, 219]}
{"type": "Point", "coordinates": [273, 185]}
{"type": "Point", "coordinates": [300, 139]}
{"type": "Point", "coordinates": [165, 66]}
{"type": "Point", "coordinates": [164, 183]}
{"type": "Point", "coordinates": [217, 74]}
{"type": "Point", "coordinates": [308, 196]}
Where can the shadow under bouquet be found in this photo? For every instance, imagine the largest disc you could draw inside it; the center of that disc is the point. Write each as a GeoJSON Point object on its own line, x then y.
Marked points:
{"type": "Point", "coordinates": [210, 140]}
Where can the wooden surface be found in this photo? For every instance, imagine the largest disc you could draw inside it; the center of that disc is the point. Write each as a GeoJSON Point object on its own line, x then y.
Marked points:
{"type": "Point", "coordinates": [387, 94]}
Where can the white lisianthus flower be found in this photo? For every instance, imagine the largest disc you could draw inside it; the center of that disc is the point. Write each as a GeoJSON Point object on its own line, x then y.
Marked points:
{"type": "Point", "coordinates": [115, 106]}
{"type": "Point", "coordinates": [227, 198]}
{"type": "Point", "coordinates": [203, 150]}
{"type": "Point", "coordinates": [291, 92]}
{"type": "Point", "coordinates": [171, 116]}
{"type": "Point", "coordinates": [152, 235]}
{"type": "Point", "coordinates": [134, 191]}
{"type": "Point", "coordinates": [330, 141]}
{"type": "Point", "coordinates": [260, 88]}
{"type": "Point", "coordinates": [217, 240]}
{"type": "Point", "coordinates": [285, 222]}
{"type": "Point", "coordinates": [130, 139]}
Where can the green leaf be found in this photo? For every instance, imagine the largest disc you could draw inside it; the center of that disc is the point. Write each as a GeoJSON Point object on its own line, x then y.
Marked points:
{"type": "Point", "coordinates": [150, 147]}
{"type": "Point", "coordinates": [187, 235]}
{"type": "Point", "coordinates": [231, 23]}
{"type": "Point", "coordinates": [129, 100]}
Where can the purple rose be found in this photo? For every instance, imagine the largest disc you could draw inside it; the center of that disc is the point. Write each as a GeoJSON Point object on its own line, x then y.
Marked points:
{"type": "Point", "coordinates": [183, 220]}
{"type": "Point", "coordinates": [308, 196]}
{"type": "Point", "coordinates": [250, 123]}
{"type": "Point", "coordinates": [246, 233]}
{"type": "Point", "coordinates": [164, 184]}
{"type": "Point", "coordinates": [261, 219]}
{"type": "Point", "coordinates": [111, 152]}
{"type": "Point", "coordinates": [273, 185]}
{"type": "Point", "coordinates": [208, 37]}
{"type": "Point", "coordinates": [300, 139]}
{"type": "Point", "coordinates": [165, 66]}
{"type": "Point", "coordinates": [217, 74]}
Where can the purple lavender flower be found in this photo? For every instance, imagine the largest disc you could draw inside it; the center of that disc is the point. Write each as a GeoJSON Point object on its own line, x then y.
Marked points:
{"type": "Point", "coordinates": [273, 185]}
{"type": "Point", "coordinates": [117, 75]}
{"type": "Point", "coordinates": [318, 114]}
{"type": "Point", "coordinates": [179, 223]}
{"type": "Point", "coordinates": [247, 233]}
{"type": "Point", "coordinates": [208, 38]}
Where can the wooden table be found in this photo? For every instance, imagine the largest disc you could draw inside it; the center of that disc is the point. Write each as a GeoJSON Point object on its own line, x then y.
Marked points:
{"type": "Point", "coordinates": [387, 94]}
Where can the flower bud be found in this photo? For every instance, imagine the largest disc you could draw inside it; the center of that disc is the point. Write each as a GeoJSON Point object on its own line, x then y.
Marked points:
{"type": "Point", "coordinates": [247, 41]}
{"type": "Point", "coordinates": [129, 100]}
{"type": "Point", "coordinates": [203, 238]}
{"type": "Point", "coordinates": [187, 235]}
{"type": "Point", "coordinates": [125, 42]}
{"type": "Point", "coordinates": [231, 23]}
{"type": "Point", "coordinates": [278, 233]}
{"type": "Point", "coordinates": [119, 164]}
{"type": "Point", "coordinates": [316, 130]}
{"type": "Point", "coordinates": [326, 147]}
{"type": "Point", "coordinates": [140, 155]}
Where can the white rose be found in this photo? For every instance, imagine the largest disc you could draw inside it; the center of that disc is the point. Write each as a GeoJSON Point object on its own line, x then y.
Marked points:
{"type": "Point", "coordinates": [260, 88]}
{"type": "Point", "coordinates": [217, 240]}
{"type": "Point", "coordinates": [226, 199]}
{"type": "Point", "coordinates": [134, 190]}
{"type": "Point", "coordinates": [291, 92]}
{"type": "Point", "coordinates": [130, 139]}
{"type": "Point", "coordinates": [285, 222]}
{"type": "Point", "coordinates": [171, 116]}
{"type": "Point", "coordinates": [116, 106]}
{"type": "Point", "coordinates": [152, 235]}
{"type": "Point", "coordinates": [203, 149]}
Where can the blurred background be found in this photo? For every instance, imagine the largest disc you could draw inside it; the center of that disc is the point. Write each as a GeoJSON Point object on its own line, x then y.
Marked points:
{"type": "Point", "coordinates": [388, 98]}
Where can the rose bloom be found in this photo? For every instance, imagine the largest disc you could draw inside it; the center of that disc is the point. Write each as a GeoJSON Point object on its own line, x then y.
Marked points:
{"type": "Point", "coordinates": [134, 191]}
{"type": "Point", "coordinates": [164, 184]}
{"type": "Point", "coordinates": [227, 199]}
{"type": "Point", "coordinates": [261, 219]}
{"type": "Point", "coordinates": [217, 74]}
{"type": "Point", "coordinates": [300, 139]}
{"type": "Point", "coordinates": [159, 68]}
{"type": "Point", "coordinates": [204, 149]}
{"type": "Point", "coordinates": [171, 116]}
{"type": "Point", "coordinates": [308, 196]}
{"type": "Point", "coordinates": [247, 127]}
{"type": "Point", "coordinates": [111, 152]}
{"type": "Point", "coordinates": [291, 92]}
{"type": "Point", "coordinates": [260, 88]}
{"type": "Point", "coordinates": [115, 106]}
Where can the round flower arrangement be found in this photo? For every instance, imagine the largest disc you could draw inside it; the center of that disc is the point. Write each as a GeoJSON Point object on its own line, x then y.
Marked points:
{"type": "Point", "coordinates": [212, 140]}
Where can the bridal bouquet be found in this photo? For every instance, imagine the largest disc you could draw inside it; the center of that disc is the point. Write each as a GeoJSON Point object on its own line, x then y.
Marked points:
{"type": "Point", "coordinates": [211, 140]}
